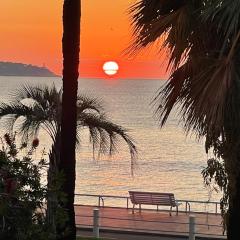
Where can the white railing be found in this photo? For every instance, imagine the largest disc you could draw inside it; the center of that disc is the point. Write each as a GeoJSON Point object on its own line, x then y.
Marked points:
{"type": "Point", "coordinates": [188, 205]}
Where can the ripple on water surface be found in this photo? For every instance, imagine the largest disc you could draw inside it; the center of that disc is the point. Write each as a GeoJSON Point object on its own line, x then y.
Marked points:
{"type": "Point", "coordinates": [167, 162]}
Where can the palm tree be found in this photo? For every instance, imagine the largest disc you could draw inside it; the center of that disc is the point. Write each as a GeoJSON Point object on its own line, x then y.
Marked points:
{"type": "Point", "coordinates": [34, 108]}
{"type": "Point", "coordinates": [203, 41]}
{"type": "Point", "coordinates": [70, 49]}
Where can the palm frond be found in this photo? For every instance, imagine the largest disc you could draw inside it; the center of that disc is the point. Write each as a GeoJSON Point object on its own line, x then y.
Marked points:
{"type": "Point", "coordinates": [106, 135]}
{"type": "Point", "coordinates": [27, 92]}
{"type": "Point", "coordinates": [85, 103]}
{"type": "Point", "coordinates": [203, 42]}
{"type": "Point", "coordinates": [170, 22]}
{"type": "Point", "coordinates": [33, 108]}
{"type": "Point", "coordinates": [225, 15]}
{"type": "Point", "coordinates": [30, 109]}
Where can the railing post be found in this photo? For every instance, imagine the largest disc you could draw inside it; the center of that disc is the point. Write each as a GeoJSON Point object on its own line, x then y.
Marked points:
{"type": "Point", "coordinates": [191, 227]}
{"type": "Point", "coordinates": [96, 223]}
{"type": "Point", "coordinates": [99, 201]}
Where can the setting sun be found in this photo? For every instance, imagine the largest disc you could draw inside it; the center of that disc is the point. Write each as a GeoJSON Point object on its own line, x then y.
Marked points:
{"type": "Point", "coordinates": [110, 68]}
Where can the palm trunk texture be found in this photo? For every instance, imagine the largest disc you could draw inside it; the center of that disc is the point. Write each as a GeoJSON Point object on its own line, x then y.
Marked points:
{"type": "Point", "coordinates": [234, 214]}
{"type": "Point", "coordinates": [70, 48]}
{"type": "Point", "coordinates": [53, 191]}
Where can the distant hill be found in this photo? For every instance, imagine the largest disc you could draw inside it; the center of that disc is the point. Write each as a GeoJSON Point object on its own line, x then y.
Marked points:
{"type": "Point", "coordinates": [20, 69]}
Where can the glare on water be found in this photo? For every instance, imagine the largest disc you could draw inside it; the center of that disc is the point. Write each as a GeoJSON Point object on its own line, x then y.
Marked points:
{"type": "Point", "coordinates": [168, 161]}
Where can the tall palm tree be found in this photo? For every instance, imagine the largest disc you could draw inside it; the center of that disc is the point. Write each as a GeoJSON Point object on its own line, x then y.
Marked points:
{"type": "Point", "coordinates": [203, 42]}
{"type": "Point", "coordinates": [70, 49]}
{"type": "Point", "coordinates": [34, 108]}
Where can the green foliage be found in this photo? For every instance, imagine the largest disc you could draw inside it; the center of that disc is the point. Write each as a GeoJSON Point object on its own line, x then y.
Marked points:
{"type": "Point", "coordinates": [215, 177]}
{"type": "Point", "coordinates": [22, 193]}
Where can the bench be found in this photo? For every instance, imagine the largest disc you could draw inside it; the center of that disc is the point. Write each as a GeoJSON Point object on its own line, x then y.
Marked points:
{"type": "Point", "coordinates": [153, 198]}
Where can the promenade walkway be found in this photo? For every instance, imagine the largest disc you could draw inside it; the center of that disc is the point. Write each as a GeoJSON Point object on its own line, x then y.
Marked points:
{"type": "Point", "coordinates": [150, 222]}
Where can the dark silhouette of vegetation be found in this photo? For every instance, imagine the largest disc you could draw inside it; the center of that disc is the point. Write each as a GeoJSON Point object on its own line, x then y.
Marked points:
{"type": "Point", "coordinates": [202, 39]}
{"type": "Point", "coordinates": [33, 108]}
{"type": "Point", "coordinates": [215, 178]}
{"type": "Point", "coordinates": [21, 193]}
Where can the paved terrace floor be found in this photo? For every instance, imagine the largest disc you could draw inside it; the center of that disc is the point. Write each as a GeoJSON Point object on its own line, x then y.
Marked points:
{"type": "Point", "coordinates": [150, 221]}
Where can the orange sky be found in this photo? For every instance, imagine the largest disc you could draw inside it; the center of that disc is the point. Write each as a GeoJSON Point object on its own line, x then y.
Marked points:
{"type": "Point", "coordinates": [31, 32]}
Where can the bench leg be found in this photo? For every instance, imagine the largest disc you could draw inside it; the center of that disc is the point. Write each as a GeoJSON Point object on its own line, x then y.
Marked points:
{"type": "Point", "coordinates": [133, 208]}
{"type": "Point", "coordinates": [140, 207]}
{"type": "Point", "coordinates": [177, 210]}
{"type": "Point", "coordinates": [170, 213]}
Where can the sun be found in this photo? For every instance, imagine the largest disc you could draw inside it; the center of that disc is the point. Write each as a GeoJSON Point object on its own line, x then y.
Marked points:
{"type": "Point", "coordinates": [110, 68]}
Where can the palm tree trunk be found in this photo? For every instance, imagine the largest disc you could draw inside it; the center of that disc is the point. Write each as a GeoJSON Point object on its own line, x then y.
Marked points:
{"type": "Point", "coordinates": [51, 198]}
{"type": "Point", "coordinates": [71, 48]}
{"type": "Point", "coordinates": [53, 184]}
{"type": "Point", "coordinates": [233, 230]}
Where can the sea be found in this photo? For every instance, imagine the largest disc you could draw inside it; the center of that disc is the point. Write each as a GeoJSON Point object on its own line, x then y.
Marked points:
{"type": "Point", "coordinates": [168, 160]}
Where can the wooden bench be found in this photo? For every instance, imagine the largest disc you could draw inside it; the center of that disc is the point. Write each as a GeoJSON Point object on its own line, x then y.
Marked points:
{"type": "Point", "coordinates": [153, 198]}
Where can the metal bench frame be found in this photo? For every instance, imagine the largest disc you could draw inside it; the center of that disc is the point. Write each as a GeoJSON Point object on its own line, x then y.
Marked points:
{"type": "Point", "coordinates": [153, 198]}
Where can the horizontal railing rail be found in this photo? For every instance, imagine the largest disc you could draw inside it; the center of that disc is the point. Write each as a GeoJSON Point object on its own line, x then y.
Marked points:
{"type": "Point", "coordinates": [188, 203]}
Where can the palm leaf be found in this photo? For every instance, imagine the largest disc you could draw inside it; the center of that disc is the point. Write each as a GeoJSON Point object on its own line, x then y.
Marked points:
{"type": "Point", "coordinates": [203, 62]}
{"type": "Point", "coordinates": [35, 108]}
{"type": "Point", "coordinates": [105, 134]}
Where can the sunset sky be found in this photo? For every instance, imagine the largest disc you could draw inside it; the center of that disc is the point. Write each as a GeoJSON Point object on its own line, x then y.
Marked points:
{"type": "Point", "coordinates": [31, 33]}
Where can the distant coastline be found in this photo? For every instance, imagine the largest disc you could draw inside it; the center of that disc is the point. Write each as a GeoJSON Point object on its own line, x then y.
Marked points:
{"type": "Point", "coordinates": [24, 70]}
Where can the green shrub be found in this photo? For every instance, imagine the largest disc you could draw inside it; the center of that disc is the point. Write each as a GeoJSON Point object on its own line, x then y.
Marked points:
{"type": "Point", "coordinates": [22, 193]}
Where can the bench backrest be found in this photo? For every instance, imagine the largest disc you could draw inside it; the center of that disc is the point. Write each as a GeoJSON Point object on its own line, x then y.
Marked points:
{"type": "Point", "coordinates": [164, 199]}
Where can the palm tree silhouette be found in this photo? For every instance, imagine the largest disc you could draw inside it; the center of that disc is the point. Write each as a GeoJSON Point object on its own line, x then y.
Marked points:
{"type": "Point", "coordinates": [202, 39]}
{"type": "Point", "coordinates": [39, 108]}
{"type": "Point", "coordinates": [67, 164]}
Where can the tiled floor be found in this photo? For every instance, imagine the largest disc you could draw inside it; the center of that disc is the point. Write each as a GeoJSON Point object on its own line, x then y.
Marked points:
{"type": "Point", "coordinates": [149, 221]}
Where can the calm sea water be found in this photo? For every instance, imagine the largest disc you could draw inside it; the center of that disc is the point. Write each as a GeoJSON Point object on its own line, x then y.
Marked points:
{"type": "Point", "coordinates": [168, 161]}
